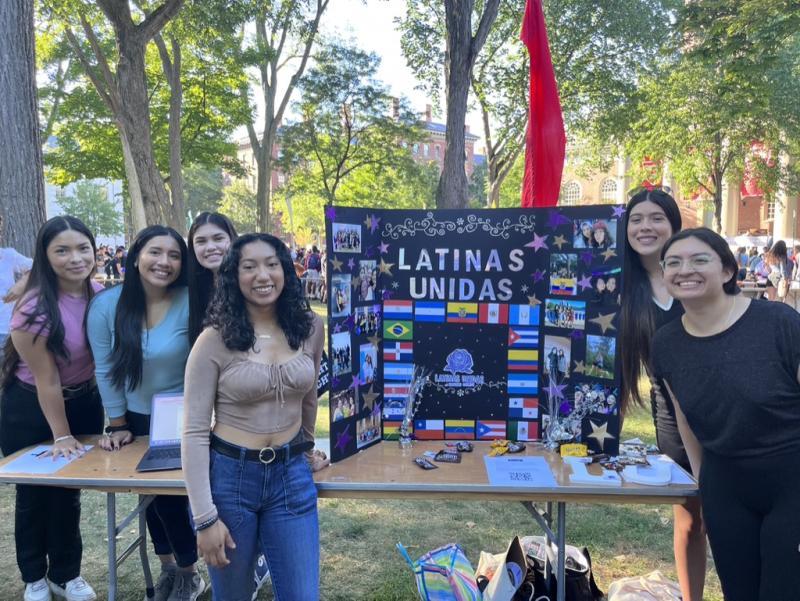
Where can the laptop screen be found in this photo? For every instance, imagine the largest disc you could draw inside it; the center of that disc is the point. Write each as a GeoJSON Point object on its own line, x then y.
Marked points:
{"type": "Point", "coordinates": [166, 419]}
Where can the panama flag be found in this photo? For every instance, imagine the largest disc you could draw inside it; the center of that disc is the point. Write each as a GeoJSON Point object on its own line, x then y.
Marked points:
{"type": "Point", "coordinates": [430, 311]}
{"type": "Point", "coordinates": [523, 338]}
{"type": "Point", "coordinates": [395, 391]}
{"type": "Point", "coordinates": [521, 430]}
{"type": "Point", "coordinates": [398, 351]}
{"type": "Point", "coordinates": [398, 330]}
{"type": "Point", "coordinates": [429, 429]}
{"type": "Point", "coordinates": [523, 315]}
{"type": "Point", "coordinates": [459, 429]}
{"type": "Point", "coordinates": [397, 309]}
{"type": "Point", "coordinates": [493, 313]}
{"type": "Point", "coordinates": [462, 312]}
{"type": "Point", "coordinates": [523, 407]}
{"type": "Point", "coordinates": [397, 371]}
{"type": "Point", "coordinates": [523, 360]}
{"type": "Point", "coordinates": [523, 384]}
{"type": "Point", "coordinates": [491, 429]}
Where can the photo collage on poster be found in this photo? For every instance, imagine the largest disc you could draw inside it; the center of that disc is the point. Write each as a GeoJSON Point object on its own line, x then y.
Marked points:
{"type": "Point", "coordinates": [512, 313]}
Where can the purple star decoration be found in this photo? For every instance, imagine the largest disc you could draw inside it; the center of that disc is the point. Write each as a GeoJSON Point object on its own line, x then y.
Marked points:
{"type": "Point", "coordinates": [576, 335]}
{"type": "Point", "coordinates": [370, 251]}
{"type": "Point", "coordinates": [387, 294]}
{"type": "Point", "coordinates": [538, 276]}
{"type": "Point", "coordinates": [618, 211]}
{"type": "Point", "coordinates": [351, 264]}
{"type": "Point", "coordinates": [376, 410]}
{"type": "Point", "coordinates": [555, 219]}
{"type": "Point", "coordinates": [538, 242]}
{"type": "Point", "coordinates": [373, 223]}
{"type": "Point", "coordinates": [356, 382]}
{"type": "Point", "coordinates": [586, 257]}
{"type": "Point", "coordinates": [564, 409]}
{"type": "Point", "coordinates": [343, 438]}
{"type": "Point", "coordinates": [556, 391]}
{"type": "Point", "coordinates": [337, 328]}
{"type": "Point", "coordinates": [349, 323]}
{"type": "Point", "coordinates": [585, 282]}
{"type": "Point", "coordinates": [330, 213]}
{"type": "Point", "coordinates": [384, 248]}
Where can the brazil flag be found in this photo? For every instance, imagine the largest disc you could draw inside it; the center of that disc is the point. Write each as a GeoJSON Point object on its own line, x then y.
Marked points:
{"type": "Point", "coordinates": [398, 330]}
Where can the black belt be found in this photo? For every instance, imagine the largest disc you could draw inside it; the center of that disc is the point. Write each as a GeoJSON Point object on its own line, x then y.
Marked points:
{"type": "Point", "coordinates": [266, 455]}
{"type": "Point", "coordinates": [69, 392]}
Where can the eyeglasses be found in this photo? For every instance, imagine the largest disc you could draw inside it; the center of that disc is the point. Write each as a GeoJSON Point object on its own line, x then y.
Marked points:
{"type": "Point", "coordinates": [696, 262]}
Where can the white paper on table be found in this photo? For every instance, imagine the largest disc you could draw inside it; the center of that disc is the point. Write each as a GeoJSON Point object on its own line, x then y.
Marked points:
{"type": "Point", "coordinates": [36, 462]}
{"type": "Point", "coordinates": [519, 471]}
{"type": "Point", "coordinates": [679, 476]}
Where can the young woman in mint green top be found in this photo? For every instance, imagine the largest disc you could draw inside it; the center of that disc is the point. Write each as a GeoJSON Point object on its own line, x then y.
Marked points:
{"type": "Point", "coordinates": [139, 334]}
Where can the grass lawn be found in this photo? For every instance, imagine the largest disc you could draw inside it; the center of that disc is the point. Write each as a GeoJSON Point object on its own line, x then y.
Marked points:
{"type": "Point", "coordinates": [359, 561]}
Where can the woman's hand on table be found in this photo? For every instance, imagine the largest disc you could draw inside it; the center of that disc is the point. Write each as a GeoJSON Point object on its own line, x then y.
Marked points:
{"type": "Point", "coordinates": [116, 440]}
{"type": "Point", "coordinates": [318, 460]}
{"type": "Point", "coordinates": [66, 447]}
{"type": "Point", "coordinates": [212, 542]}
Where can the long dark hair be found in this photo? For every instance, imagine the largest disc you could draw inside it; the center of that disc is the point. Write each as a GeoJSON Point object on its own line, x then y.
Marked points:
{"type": "Point", "coordinates": [719, 246]}
{"type": "Point", "coordinates": [43, 282]}
{"type": "Point", "coordinates": [637, 323]}
{"type": "Point", "coordinates": [228, 311]}
{"type": "Point", "coordinates": [201, 279]}
{"type": "Point", "coordinates": [126, 354]}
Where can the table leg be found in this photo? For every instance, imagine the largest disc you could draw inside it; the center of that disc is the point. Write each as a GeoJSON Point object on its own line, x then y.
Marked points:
{"type": "Point", "coordinates": [150, 591]}
{"type": "Point", "coordinates": [111, 532]}
{"type": "Point", "coordinates": [561, 537]}
{"type": "Point", "coordinates": [548, 567]}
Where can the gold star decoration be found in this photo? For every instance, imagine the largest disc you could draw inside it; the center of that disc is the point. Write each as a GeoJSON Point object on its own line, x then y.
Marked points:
{"type": "Point", "coordinates": [559, 241]}
{"type": "Point", "coordinates": [533, 301]}
{"type": "Point", "coordinates": [369, 397]}
{"type": "Point", "coordinates": [604, 321]}
{"type": "Point", "coordinates": [386, 267]}
{"type": "Point", "coordinates": [375, 340]}
{"type": "Point", "coordinates": [600, 433]}
{"type": "Point", "coordinates": [579, 368]}
{"type": "Point", "coordinates": [337, 264]}
{"type": "Point", "coordinates": [367, 222]}
{"type": "Point", "coordinates": [608, 253]}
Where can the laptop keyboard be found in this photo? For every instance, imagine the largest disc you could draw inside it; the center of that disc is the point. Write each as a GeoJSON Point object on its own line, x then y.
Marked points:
{"type": "Point", "coordinates": [170, 453]}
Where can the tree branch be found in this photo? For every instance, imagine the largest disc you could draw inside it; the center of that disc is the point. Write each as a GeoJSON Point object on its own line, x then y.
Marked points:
{"type": "Point", "coordinates": [100, 85]}
{"type": "Point", "coordinates": [156, 20]}
{"type": "Point", "coordinates": [485, 25]}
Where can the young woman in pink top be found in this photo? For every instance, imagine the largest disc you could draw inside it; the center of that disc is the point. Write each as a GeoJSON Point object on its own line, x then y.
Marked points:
{"type": "Point", "coordinates": [49, 394]}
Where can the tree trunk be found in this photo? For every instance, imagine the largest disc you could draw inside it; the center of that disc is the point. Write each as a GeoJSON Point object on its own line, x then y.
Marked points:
{"type": "Point", "coordinates": [178, 216]}
{"type": "Point", "coordinates": [138, 220]}
{"type": "Point", "coordinates": [264, 186]}
{"type": "Point", "coordinates": [22, 197]}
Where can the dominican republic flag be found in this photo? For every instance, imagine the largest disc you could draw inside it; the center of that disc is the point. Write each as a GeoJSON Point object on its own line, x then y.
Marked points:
{"type": "Point", "coordinates": [523, 315]}
{"type": "Point", "coordinates": [398, 351]}
{"type": "Point", "coordinates": [429, 429]}
{"type": "Point", "coordinates": [397, 309]}
{"type": "Point", "coordinates": [459, 429]}
{"type": "Point", "coordinates": [462, 312]}
{"type": "Point", "coordinates": [523, 407]}
{"type": "Point", "coordinates": [398, 330]}
{"type": "Point", "coordinates": [518, 430]}
{"type": "Point", "coordinates": [398, 371]}
{"type": "Point", "coordinates": [391, 430]}
{"type": "Point", "coordinates": [395, 391]}
{"type": "Point", "coordinates": [523, 384]}
{"type": "Point", "coordinates": [490, 430]}
{"type": "Point", "coordinates": [493, 313]}
{"type": "Point", "coordinates": [523, 360]}
{"type": "Point", "coordinates": [430, 311]}
{"type": "Point", "coordinates": [523, 338]}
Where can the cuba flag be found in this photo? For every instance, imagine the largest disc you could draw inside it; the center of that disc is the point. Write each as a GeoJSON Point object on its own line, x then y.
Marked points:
{"type": "Point", "coordinates": [523, 338]}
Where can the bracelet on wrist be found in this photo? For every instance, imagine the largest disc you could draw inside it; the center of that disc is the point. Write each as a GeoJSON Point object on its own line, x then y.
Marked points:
{"type": "Point", "coordinates": [63, 438]}
{"type": "Point", "coordinates": [120, 428]}
{"type": "Point", "coordinates": [207, 524]}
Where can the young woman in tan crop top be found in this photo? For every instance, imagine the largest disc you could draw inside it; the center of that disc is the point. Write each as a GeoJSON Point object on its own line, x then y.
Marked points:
{"type": "Point", "coordinates": [249, 480]}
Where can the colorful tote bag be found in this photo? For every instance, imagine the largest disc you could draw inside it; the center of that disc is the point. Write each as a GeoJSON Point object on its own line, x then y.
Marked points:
{"type": "Point", "coordinates": [444, 574]}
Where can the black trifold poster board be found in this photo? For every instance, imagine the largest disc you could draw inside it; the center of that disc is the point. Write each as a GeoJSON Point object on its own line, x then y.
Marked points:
{"type": "Point", "coordinates": [513, 313]}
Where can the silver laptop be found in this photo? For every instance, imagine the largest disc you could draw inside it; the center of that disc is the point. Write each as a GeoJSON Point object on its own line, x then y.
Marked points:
{"type": "Point", "coordinates": [166, 424]}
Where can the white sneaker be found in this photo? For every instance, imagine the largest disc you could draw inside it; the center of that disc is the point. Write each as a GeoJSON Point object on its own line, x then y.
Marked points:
{"type": "Point", "coordinates": [76, 589]}
{"type": "Point", "coordinates": [37, 591]}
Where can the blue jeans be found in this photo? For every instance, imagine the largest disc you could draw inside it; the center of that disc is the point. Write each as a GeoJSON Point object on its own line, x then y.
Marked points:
{"type": "Point", "coordinates": [269, 509]}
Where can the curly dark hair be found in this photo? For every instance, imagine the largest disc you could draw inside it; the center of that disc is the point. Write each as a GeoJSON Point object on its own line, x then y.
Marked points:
{"type": "Point", "coordinates": [228, 309]}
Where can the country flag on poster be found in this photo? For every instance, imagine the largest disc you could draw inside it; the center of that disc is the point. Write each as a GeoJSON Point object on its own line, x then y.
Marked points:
{"type": "Point", "coordinates": [523, 315]}
{"type": "Point", "coordinates": [523, 360]}
{"type": "Point", "coordinates": [398, 330]}
{"type": "Point", "coordinates": [393, 412]}
{"type": "Point", "coordinates": [395, 391]}
{"type": "Point", "coordinates": [398, 371]}
{"type": "Point", "coordinates": [459, 429]}
{"type": "Point", "coordinates": [493, 313]}
{"type": "Point", "coordinates": [523, 384]}
{"type": "Point", "coordinates": [491, 429]}
{"type": "Point", "coordinates": [462, 312]}
{"type": "Point", "coordinates": [523, 407]}
{"type": "Point", "coordinates": [429, 429]}
{"type": "Point", "coordinates": [398, 351]}
{"type": "Point", "coordinates": [563, 286]}
{"type": "Point", "coordinates": [522, 430]}
{"type": "Point", "coordinates": [397, 309]}
{"type": "Point", "coordinates": [430, 311]}
{"type": "Point", "coordinates": [391, 430]}
{"type": "Point", "coordinates": [523, 338]}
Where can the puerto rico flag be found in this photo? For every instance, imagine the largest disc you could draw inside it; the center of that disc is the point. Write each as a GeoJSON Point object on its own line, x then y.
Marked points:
{"type": "Point", "coordinates": [523, 338]}
{"type": "Point", "coordinates": [490, 430]}
{"type": "Point", "coordinates": [523, 407]}
{"type": "Point", "coordinates": [398, 351]}
{"type": "Point", "coordinates": [462, 312]}
{"type": "Point", "coordinates": [430, 311]}
{"type": "Point", "coordinates": [493, 313]}
{"type": "Point", "coordinates": [459, 429]}
{"type": "Point", "coordinates": [523, 315]}
{"type": "Point", "coordinates": [397, 309]}
{"type": "Point", "coordinates": [398, 371]}
{"type": "Point", "coordinates": [523, 384]}
{"type": "Point", "coordinates": [522, 430]}
{"type": "Point", "coordinates": [395, 391]}
{"type": "Point", "coordinates": [523, 360]}
{"type": "Point", "coordinates": [429, 429]}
